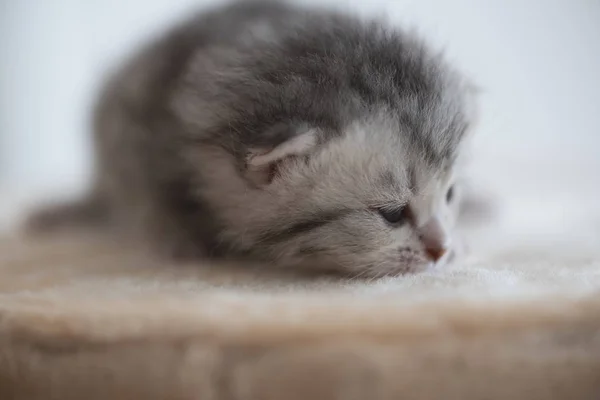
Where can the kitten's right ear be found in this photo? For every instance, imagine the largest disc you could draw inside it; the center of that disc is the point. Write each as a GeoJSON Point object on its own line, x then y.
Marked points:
{"type": "Point", "coordinates": [263, 163]}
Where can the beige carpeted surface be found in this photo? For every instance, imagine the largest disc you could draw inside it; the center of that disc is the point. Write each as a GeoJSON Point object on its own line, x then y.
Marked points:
{"type": "Point", "coordinates": [82, 317]}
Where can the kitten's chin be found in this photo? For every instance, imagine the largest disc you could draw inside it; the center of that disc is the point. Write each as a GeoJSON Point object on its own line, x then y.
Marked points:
{"type": "Point", "coordinates": [383, 270]}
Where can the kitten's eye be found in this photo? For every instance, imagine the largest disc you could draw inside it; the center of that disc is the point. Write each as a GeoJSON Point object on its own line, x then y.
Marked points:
{"type": "Point", "coordinates": [394, 216]}
{"type": "Point", "coordinates": [450, 194]}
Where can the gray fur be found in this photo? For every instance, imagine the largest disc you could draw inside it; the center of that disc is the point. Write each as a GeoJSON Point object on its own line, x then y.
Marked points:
{"type": "Point", "coordinates": [175, 125]}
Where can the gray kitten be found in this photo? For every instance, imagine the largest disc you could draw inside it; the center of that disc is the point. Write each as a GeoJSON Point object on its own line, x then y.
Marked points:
{"type": "Point", "coordinates": [269, 131]}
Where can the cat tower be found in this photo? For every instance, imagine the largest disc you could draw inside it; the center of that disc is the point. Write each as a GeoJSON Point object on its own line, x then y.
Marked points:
{"type": "Point", "coordinates": [82, 317]}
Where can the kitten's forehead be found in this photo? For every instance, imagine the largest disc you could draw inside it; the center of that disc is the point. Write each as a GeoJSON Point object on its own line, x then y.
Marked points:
{"type": "Point", "coordinates": [362, 165]}
{"type": "Point", "coordinates": [384, 142]}
{"type": "Point", "coordinates": [375, 160]}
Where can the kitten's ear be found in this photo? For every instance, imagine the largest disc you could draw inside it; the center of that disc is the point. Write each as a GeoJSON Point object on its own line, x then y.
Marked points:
{"type": "Point", "coordinates": [262, 164]}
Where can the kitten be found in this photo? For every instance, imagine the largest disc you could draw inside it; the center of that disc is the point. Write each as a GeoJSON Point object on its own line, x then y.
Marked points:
{"type": "Point", "coordinates": [269, 131]}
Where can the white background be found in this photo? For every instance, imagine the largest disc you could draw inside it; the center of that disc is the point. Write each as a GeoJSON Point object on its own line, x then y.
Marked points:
{"type": "Point", "coordinates": [537, 61]}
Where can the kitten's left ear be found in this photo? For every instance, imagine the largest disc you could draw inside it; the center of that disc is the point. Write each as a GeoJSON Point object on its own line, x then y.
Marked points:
{"type": "Point", "coordinates": [262, 164]}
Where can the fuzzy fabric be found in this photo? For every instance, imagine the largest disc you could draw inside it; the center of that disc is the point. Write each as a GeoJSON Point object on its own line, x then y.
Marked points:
{"type": "Point", "coordinates": [84, 317]}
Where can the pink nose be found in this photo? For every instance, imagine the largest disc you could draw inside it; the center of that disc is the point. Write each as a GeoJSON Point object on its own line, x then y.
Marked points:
{"type": "Point", "coordinates": [434, 239]}
{"type": "Point", "coordinates": [435, 253]}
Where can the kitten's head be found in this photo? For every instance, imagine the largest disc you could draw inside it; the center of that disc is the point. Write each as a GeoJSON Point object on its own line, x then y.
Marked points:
{"type": "Point", "coordinates": [335, 156]}
{"type": "Point", "coordinates": [377, 199]}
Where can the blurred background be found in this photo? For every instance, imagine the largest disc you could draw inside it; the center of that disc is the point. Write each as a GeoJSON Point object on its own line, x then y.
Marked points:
{"type": "Point", "coordinates": [537, 61]}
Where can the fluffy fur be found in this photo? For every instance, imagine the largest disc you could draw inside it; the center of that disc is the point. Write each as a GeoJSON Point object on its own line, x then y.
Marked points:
{"type": "Point", "coordinates": [264, 130]}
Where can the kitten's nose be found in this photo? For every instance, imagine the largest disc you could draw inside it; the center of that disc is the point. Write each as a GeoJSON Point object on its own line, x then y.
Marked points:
{"type": "Point", "coordinates": [434, 239]}
{"type": "Point", "coordinates": [435, 253]}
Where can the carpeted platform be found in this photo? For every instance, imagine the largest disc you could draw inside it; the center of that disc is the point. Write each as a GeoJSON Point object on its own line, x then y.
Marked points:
{"type": "Point", "coordinates": [83, 317]}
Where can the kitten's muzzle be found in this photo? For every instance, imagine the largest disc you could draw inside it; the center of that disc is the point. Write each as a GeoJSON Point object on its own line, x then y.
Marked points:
{"type": "Point", "coordinates": [434, 238]}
